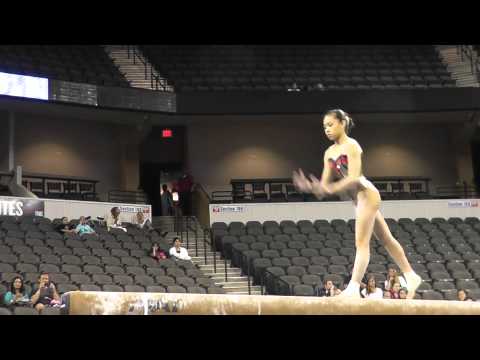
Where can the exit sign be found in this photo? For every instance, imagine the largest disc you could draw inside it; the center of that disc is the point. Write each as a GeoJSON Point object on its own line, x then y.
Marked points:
{"type": "Point", "coordinates": [167, 133]}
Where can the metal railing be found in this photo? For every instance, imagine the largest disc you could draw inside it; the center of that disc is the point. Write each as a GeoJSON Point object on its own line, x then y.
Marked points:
{"type": "Point", "coordinates": [156, 82]}
{"type": "Point", "coordinates": [186, 224]}
{"type": "Point", "coordinates": [276, 281]}
{"type": "Point", "coordinates": [456, 192]}
{"type": "Point", "coordinates": [468, 52]}
{"type": "Point", "coordinates": [123, 196]}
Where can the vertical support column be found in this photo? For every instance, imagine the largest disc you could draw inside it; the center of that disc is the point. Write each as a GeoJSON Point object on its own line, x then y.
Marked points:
{"type": "Point", "coordinates": [11, 141]}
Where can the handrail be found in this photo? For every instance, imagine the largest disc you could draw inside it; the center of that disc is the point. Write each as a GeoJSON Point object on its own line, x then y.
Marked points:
{"type": "Point", "coordinates": [275, 277]}
{"type": "Point", "coordinates": [456, 191]}
{"type": "Point", "coordinates": [468, 52]}
{"type": "Point", "coordinates": [125, 196]}
{"type": "Point", "coordinates": [202, 189]}
{"type": "Point", "coordinates": [158, 81]}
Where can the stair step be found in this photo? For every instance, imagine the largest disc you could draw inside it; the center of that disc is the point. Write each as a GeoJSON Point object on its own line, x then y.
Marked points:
{"type": "Point", "coordinates": [230, 279]}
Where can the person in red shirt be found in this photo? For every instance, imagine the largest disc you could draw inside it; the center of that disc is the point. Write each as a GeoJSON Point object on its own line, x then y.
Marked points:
{"type": "Point", "coordinates": [184, 187]}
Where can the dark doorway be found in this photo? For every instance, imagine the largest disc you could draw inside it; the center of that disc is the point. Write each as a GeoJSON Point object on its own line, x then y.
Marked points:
{"type": "Point", "coordinates": [160, 155]}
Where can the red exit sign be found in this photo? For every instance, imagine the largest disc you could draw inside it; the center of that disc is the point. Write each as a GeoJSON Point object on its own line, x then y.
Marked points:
{"type": "Point", "coordinates": [167, 133]}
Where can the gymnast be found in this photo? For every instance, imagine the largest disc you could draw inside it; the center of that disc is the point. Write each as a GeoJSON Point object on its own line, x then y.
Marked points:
{"type": "Point", "coordinates": [342, 175]}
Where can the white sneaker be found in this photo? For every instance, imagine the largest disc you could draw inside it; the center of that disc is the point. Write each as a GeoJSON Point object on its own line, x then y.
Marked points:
{"type": "Point", "coordinates": [413, 282]}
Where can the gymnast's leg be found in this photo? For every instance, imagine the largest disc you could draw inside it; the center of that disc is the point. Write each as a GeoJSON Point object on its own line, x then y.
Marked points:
{"type": "Point", "coordinates": [395, 250]}
{"type": "Point", "coordinates": [366, 210]}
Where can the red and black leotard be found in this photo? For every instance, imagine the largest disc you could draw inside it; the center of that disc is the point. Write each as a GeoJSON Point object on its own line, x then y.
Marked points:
{"type": "Point", "coordinates": [340, 165]}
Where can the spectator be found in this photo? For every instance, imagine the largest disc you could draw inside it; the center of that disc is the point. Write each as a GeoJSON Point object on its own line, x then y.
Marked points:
{"type": "Point", "coordinates": [462, 296]}
{"type": "Point", "coordinates": [167, 201]}
{"type": "Point", "coordinates": [158, 253]}
{"type": "Point", "coordinates": [403, 293]}
{"type": "Point", "coordinates": [371, 291]}
{"type": "Point", "coordinates": [328, 289]}
{"type": "Point", "coordinates": [83, 227]}
{"type": "Point", "coordinates": [65, 227]}
{"type": "Point", "coordinates": [387, 295]}
{"type": "Point", "coordinates": [395, 291]}
{"type": "Point", "coordinates": [17, 295]}
{"type": "Point", "coordinates": [392, 278]}
{"type": "Point", "coordinates": [140, 221]}
{"type": "Point", "coordinates": [179, 252]}
{"type": "Point", "coordinates": [185, 185]}
{"type": "Point", "coordinates": [113, 219]}
{"type": "Point", "coordinates": [45, 294]}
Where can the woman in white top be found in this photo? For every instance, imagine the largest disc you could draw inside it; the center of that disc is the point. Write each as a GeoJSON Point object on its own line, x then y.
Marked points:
{"type": "Point", "coordinates": [178, 251]}
{"type": "Point", "coordinates": [371, 291]}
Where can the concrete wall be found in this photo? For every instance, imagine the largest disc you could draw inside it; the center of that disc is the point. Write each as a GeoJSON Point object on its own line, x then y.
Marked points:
{"type": "Point", "coordinates": [68, 147]}
{"type": "Point", "coordinates": [221, 150]}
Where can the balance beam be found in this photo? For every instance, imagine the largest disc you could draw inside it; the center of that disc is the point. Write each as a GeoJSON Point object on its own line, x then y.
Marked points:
{"type": "Point", "coordinates": [111, 303]}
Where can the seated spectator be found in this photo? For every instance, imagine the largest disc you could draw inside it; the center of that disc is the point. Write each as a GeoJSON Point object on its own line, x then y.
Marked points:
{"type": "Point", "coordinates": [392, 278]}
{"type": "Point", "coordinates": [387, 295]}
{"type": "Point", "coordinates": [113, 219]}
{"type": "Point", "coordinates": [140, 222]}
{"type": "Point", "coordinates": [328, 289]}
{"type": "Point", "coordinates": [17, 296]}
{"type": "Point", "coordinates": [177, 251]}
{"type": "Point", "coordinates": [45, 293]}
{"type": "Point", "coordinates": [403, 293]}
{"type": "Point", "coordinates": [157, 253]}
{"type": "Point", "coordinates": [65, 227]}
{"type": "Point", "coordinates": [83, 227]}
{"type": "Point", "coordinates": [371, 291]}
{"type": "Point", "coordinates": [462, 296]}
{"type": "Point", "coordinates": [395, 291]}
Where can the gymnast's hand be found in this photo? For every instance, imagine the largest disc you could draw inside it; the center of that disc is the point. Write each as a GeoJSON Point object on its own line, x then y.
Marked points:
{"type": "Point", "coordinates": [300, 182]}
{"type": "Point", "coordinates": [318, 188]}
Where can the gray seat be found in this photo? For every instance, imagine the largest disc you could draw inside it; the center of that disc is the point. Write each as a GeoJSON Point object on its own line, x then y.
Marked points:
{"type": "Point", "coordinates": [110, 260]}
{"type": "Point", "coordinates": [92, 269]}
{"type": "Point", "coordinates": [129, 261]}
{"type": "Point", "coordinates": [135, 270]}
{"type": "Point", "coordinates": [23, 268]}
{"type": "Point", "coordinates": [112, 288]}
{"type": "Point", "coordinates": [100, 252]}
{"type": "Point", "coordinates": [205, 282]}
{"type": "Point", "coordinates": [144, 280]}
{"type": "Point", "coordinates": [176, 289]}
{"type": "Point", "coordinates": [432, 295]}
{"type": "Point", "coordinates": [63, 288]}
{"type": "Point", "coordinates": [155, 271]}
{"type": "Point", "coordinates": [282, 262]}
{"type": "Point", "coordinates": [312, 280]}
{"type": "Point", "coordinates": [81, 279]}
{"type": "Point", "coordinates": [102, 279]}
{"type": "Point", "coordinates": [71, 269]}
{"type": "Point", "coordinates": [319, 260]}
{"type": "Point", "coordinates": [121, 253]}
{"type": "Point", "coordinates": [303, 290]}
{"type": "Point", "coordinates": [49, 268]}
{"type": "Point", "coordinates": [89, 287]}
{"type": "Point", "coordinates": [122, 280]}
{"type": "Point", "coordinates": [24, 311]}
{"type": "Point", "coordinates": [165, 281]}
{"type": "Point", "coordinates": [81, 252]}
{"type": "Point", "coordinates": [70, 259]}
{"type": "Point", "coordinates": [155, 289]}
{"type": "Point", "coordinates": [134, 288]}
{"type": "Point", "coordinates": [290, 253]}
{"type": "Point", "coordinates": [185, 281]}
{"type": "Point", "coordinates": [114, 270]}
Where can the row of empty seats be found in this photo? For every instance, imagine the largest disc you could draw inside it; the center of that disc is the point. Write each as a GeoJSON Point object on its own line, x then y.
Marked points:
{"type": "Point", "coordinates": [76, 63]}
{"type": "Point", "coordinates": [445, 253]}
{"type": "Point", "coordinates": [230, 68]}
